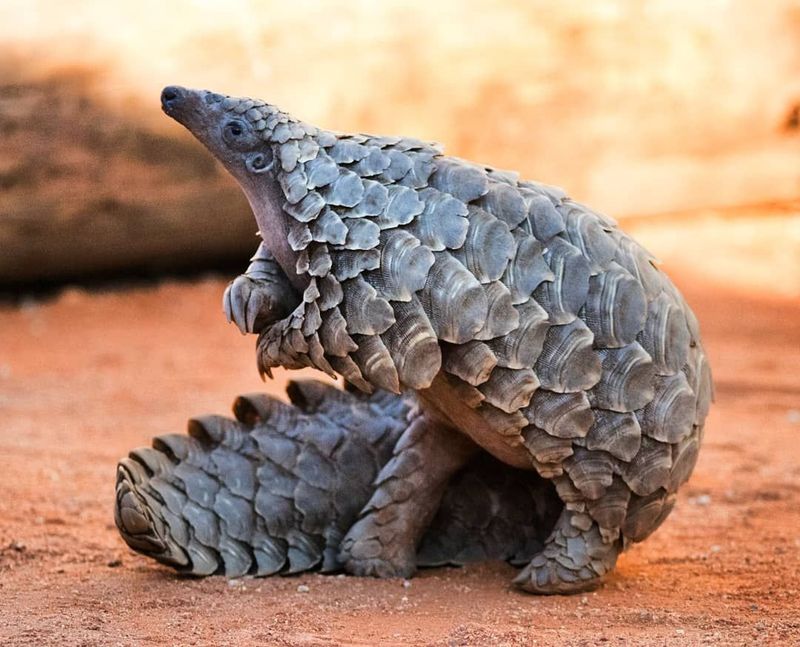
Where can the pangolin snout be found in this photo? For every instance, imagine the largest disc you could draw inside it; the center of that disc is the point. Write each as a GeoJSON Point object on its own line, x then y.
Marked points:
{"type": "Point", "coordinates": [171, 97]}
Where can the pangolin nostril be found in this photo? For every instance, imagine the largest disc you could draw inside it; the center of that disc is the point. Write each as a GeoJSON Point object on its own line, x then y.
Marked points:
{"type": "Point", "coordinates": [170, 95]}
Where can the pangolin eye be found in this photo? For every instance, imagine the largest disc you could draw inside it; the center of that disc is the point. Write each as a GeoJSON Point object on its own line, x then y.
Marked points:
{"type": "Point", "coordinates": [238, 135]}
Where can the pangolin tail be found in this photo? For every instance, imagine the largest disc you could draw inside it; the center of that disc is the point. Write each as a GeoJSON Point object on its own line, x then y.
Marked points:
{"type": "Point", "coordinates": [276, 490]}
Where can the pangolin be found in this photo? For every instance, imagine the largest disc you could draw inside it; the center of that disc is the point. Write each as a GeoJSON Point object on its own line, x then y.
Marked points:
{"type": "Point", "coordinates": [516, 322]}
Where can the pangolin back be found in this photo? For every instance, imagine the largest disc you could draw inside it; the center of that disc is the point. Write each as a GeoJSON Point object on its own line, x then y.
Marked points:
{"type": "Point", "coordinates": [557, 328]}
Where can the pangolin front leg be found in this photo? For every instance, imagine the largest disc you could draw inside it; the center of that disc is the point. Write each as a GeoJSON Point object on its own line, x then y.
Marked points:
{"type": "Point", "coordinates": [575, 558]}
{"type": "Point", "coordinates": [260, 296]}
{"type": "Point", "coordinates": [408, 491]}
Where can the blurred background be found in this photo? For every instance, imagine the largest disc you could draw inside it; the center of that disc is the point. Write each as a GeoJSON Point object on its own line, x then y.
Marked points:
{"type": "Point", "coordinates": [118, 233]}
{"type": "Point", "coordinates": [637, 107]}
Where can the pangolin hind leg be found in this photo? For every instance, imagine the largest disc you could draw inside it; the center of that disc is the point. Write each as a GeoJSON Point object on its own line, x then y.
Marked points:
{"type": "Point", "coordinates": [408, 492]}
{"type": "Point", "coordinates": [575, 558]}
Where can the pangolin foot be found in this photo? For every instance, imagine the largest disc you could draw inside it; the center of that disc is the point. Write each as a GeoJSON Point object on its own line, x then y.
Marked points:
{"type": "Point", "coordinates": [548, 577]}
{"type": "Point", "coordinates": [363, 553]}
{"type": "Point", "coordinates": [575, 559]}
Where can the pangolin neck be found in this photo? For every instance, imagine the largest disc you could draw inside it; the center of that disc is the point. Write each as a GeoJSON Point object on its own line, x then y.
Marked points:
{"type": "Point", "coordinates": [273, 225]}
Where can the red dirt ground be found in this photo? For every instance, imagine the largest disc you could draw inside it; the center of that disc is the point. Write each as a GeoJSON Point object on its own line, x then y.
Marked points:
{"type": "Point", "coordinates": [85, 377]}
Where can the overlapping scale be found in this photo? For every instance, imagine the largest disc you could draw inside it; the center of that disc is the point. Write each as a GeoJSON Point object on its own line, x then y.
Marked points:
{"type": "Point", "coordinates": [640, 263]}
{"type": "Point", "coordinates": [488, 247]}
{"type": "Point", "coordinates": [463, 181]}
{"type": "Point", "coordinates": [306, 208]}
{"type": "Point", "coordinates": [505, 424]}
{"type": "Point", "coordinates": [321, 171]}
{"type": "Point", "coordinates": [402, 206]}
{"type": "Point", "coordinates": [502, 317]}
{"type": "Point", "coordinates": [590, 471]}
{"type": "Point", "coordinates": [294, 185]}
{"type": "Point", "coordinates": [619, 434]}
{"type": "Point", "coordinates": [616, 308]}
{"type": "Point", "coordinates": [362, 234]}
{"type": "Point", "coordinates": [373, 202]}
{"type": "Point", "coordinates": [650, 469]}
{"type": "Point", "coordinates": [404, 266]}
{"type": "Point", "coordinates": [330, 292]}
{"type": "Point", "coordinates": [684, 458]}
{"type": "Point", "coordinates": [349, 370]}
{"type": "Point", "coordinates": [670, 415]}
{"type": "Point", "coordinates": [350, 264]}
{"type": "Point", "coordinates": [584, 230]}
{"type": "Point", "coordinates": [645, 514]}
{"type": "Point", "coordinates": [527, 269]}
{"type": "Point", "coordinates": [443, 223]}
{"type": "Point", "coordinates": [544, 220]}
{"type": "Point", "coordinates": [375, 362]}
{"type": "Point", "coordinates": [365, 311]}
{"type": "Point", "coordinates": [399, 166]}
{"type": "Point", "coordinates": [465, 393]}
{"type": "Point", "coordinates": [609, 510]}
{"type": "Point", "coordinates": [509, 389]}
{"type": "Point", "coordinates": [565, 295]}
{"type": "Point", "coordinates": [520, 348]}
{"type": "Point", "coordinates": [345, 191]}
{"type": "Point", "coordinates": [454, 300]}
{"type": "Point", "coordinates": [505, 203]}
{"type": "Point", "coordinates": [473, 362]}
{"type": "Point", "coordinates": [347, 150]}
{"type": "Point", "coordinates": [665, 335]}
{"type": "Point", "coordinates": [334, 336]}
{"type": "Point", "coordinates": [568, 363]}
{"type": "Point", "coordinates": [413, 345]}
{"type": "Point", "coordinates": [627, 381]}
{"type": "Point", "coordinates": [546, 448]}
{"type": "Point", "coordinates": [565, 415]}
{"type": "Point", "coordinates": [328, 228]}
{"type": "Point", "coordinates": [422, 166]}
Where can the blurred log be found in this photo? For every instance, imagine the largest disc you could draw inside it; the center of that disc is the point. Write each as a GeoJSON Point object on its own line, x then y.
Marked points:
{"type": "Point", "coordinates": [84, 193]}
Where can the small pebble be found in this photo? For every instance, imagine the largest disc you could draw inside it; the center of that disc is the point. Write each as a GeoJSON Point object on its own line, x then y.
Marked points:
{"type": "Point", "coordinates": [302, 588]}
{"type": "Point", "coordinates": [584, 600]}
{"type": "Point", "coordinates": [406, 584]}
{"type": "Point", "coordinates": [114, 563]}
{"type": "Point", "coordinates": [680, 632]}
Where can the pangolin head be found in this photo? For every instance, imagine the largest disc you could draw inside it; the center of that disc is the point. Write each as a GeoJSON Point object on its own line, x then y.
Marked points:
{"type": "Point", "coordinates": [237, 130]}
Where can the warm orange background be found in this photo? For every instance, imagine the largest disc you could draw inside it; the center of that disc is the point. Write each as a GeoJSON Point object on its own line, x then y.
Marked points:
{"type": "Point", "coordinates": [679, 117]}
{"type": "Point", "coordinates": [636, 106]}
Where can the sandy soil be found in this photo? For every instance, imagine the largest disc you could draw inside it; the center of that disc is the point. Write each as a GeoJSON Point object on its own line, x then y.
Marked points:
{"type": "Point", "coordinates": [84, 377]}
